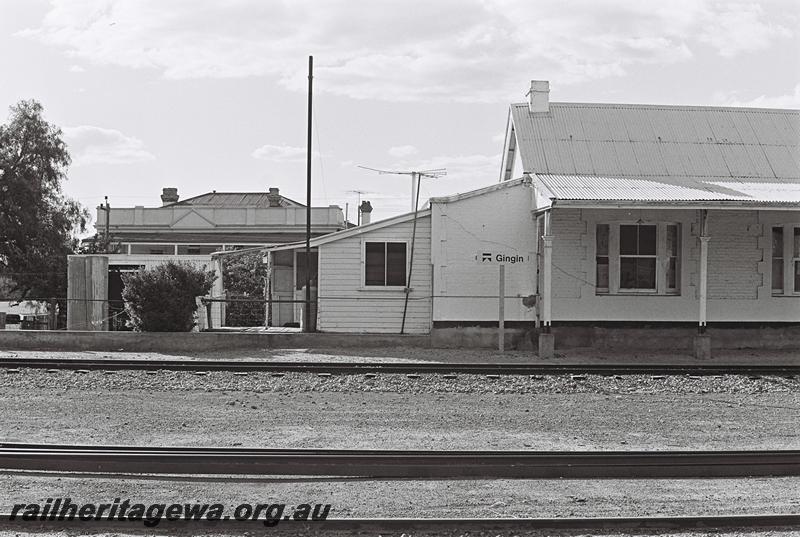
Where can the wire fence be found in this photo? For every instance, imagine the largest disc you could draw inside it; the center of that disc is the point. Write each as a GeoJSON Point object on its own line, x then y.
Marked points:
{"type": "Point", "coordinates": [233, 311]}
{"type": "Point", "coordinates": [245, 311]}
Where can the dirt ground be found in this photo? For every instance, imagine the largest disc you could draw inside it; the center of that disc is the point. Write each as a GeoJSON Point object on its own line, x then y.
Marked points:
{"type": "Point", "coordinates": [361, 498]}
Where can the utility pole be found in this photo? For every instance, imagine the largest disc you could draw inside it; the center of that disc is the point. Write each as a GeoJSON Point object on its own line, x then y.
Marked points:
{"type": "Point", "coordinates": [307, 319]}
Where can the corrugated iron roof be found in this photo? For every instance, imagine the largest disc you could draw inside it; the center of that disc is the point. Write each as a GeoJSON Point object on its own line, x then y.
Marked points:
{"type": "Point", "coordinates": [651, 142]}
{"type": "Point", "coordinates": [236, 199]}
{"type": "Point", "coordinates": [667, 188]}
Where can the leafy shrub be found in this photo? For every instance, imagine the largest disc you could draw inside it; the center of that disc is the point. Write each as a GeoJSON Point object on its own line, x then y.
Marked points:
{"type": "Point", "coordinates": [162, 299]}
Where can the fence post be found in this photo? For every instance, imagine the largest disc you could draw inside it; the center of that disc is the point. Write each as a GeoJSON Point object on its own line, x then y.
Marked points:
{"type": "Point", "coordinates": [53, 319]}
{"type": "Point", "coordinates": [208, 315]}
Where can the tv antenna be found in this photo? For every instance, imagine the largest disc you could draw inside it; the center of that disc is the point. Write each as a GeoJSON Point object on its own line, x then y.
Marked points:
{"type": "Point", "coordinates": [416, 176]}
{"type": "Point", "coordinates": [415, 179]}
{"type": "Point", "coordinates": [358, 207]}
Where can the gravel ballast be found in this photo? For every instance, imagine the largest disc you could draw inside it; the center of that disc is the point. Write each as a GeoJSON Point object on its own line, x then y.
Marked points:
{"type": "Point", "coordinates": [398, 412]}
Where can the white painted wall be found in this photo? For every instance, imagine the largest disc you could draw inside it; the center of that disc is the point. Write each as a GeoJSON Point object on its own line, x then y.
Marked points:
{"type": "Point", "coordinates": [738, 267]}
{"type": "Point", "coordinates": [346, 305]}
{"type": "Point", "coordinates": [151, 260]}
{"type": "Point", "coordinates": [498, 220]}
{"type": "Point", "coordinates": [217, 219]}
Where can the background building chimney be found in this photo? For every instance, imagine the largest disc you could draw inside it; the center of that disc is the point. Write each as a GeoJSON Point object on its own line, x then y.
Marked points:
{"type": "Point", "coordinates": [539, 96]}
{"type": "Point", "coordinates": [274, 197]}
{"type": "Point", "coordinates": [366, 212]}
{"type": "Point", "coordinates": [169, 195]}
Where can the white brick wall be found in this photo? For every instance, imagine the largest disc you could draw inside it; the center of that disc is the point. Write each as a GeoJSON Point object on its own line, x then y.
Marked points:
{"type": "Point", "coordinates": [738, 286]}
{"type": "Point", "coordinates": [569, 253]}
{"type": "Point", "coordinates": [733, 255]}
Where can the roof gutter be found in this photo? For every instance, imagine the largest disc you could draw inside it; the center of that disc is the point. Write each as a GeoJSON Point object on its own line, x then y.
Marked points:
{"type": "Point", "coordinates": [678, 204]}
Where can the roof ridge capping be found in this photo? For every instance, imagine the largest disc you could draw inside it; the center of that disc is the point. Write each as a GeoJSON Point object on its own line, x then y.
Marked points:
{"type": "Point", "coordinates": [564, 104]}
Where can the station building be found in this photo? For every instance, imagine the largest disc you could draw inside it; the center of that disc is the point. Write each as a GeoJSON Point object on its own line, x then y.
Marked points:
{"type": "Point", "coordinates": [668, 227]}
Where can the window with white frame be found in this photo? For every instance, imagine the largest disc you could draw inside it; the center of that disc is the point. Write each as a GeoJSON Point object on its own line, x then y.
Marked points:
{"type": "Point", "coordinates": [785, 260]}
{"type": "Point", "coordinates": [385, 264]}
{"type": "Point", "coordinates": [637, 258]}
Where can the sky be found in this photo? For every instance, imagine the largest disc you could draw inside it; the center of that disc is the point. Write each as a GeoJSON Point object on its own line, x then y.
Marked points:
{"type": "Point", "coordinates": [211, 95]}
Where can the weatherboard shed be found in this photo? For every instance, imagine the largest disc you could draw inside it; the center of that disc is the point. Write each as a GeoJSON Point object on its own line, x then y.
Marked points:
{"type": "Point", "coordinates": [360, 277]}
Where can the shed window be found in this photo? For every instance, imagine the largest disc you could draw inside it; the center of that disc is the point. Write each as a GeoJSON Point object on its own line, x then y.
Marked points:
{"type": "Point", "coordinates": [637, 258]}
{"type": "Point", "coordinates": [385, 264]}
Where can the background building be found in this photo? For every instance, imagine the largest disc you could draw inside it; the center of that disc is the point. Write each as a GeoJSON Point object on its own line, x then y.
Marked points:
{"type": "Point", "coordinates": [190, 230]}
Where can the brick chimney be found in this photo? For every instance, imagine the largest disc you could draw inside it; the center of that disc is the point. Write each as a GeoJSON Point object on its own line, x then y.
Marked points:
{"type": "Point", "coordinates": [366, 212]}
{"type": "Point", "coordinates": [169, 195]}
{"type": "Point", "coordinates": [539, 96]}
{"type": "Point", "coordinates": [274, 197]}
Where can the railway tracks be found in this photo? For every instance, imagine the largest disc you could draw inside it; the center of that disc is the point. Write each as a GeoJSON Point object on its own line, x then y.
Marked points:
{"type": "Point", "coordinates": [359, 368]}
{"type": "Point", "coordinates": [377, 464]}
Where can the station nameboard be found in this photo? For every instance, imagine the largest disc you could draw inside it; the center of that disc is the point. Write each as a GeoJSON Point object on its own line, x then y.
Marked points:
{"type": "Point", "coordinates": [493, 257]}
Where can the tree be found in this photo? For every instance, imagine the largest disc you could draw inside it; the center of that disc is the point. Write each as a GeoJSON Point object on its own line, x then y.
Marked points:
{"type": "Point", "coordinates": [38, 225]}
{"type": "Point", "coordinates": [245, 276]}
{"type": "Point", "coordinates": [99, 244]}
{"type": "Point", "coordinates": [162, 299]}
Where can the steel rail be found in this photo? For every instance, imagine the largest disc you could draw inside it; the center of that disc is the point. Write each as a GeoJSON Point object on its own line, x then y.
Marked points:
{"type": "Point", "coordinates": [399, 464]}
{"type": "Point", "coordinates": [358, 368]}
{"type": "Point", "coordinates": [377, 525]}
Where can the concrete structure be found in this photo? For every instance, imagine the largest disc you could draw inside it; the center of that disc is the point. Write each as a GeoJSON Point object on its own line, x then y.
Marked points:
{"type": "Point", "coordinates": [190, 230]}
{"type": "Point", "coordinates": [178, 342]}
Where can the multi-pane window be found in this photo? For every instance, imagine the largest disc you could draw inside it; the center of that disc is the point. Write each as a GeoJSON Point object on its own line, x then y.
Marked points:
{"type": "Point", "coordinates": [385, 264]}
{"type": "Point", "coordinates": [785, 260]}
{"type": "Point", "coordinates": [637, 258]}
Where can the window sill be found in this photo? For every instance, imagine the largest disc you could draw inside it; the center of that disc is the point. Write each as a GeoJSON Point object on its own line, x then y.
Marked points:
{"type": "Point", "coordinates": [383, 288]}
{"type": "Point", "coordinates": [638, 293]}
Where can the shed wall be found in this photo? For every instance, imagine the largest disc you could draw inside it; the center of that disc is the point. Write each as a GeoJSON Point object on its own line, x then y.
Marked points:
{"type": "Point", "coordinates": [346, 305]}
